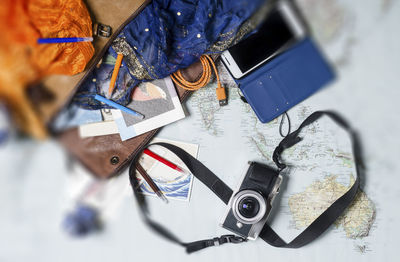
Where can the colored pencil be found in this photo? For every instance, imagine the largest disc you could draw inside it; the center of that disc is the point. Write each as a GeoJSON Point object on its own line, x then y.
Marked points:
{"type": "Point", "coordinates": [64, 40]}
{"type": "Point", "coordinates": [118, 106]}
{"type": "Point", "coordinates": [115, 73]}
{"type": "Point", "coordinates": [150, 182]}
{"type": "Point", "coordinates": [164, 161]}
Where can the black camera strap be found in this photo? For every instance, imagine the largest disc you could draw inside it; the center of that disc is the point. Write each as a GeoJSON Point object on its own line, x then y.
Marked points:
{"type": "Point", "coordinates": [201, 172]}
{"type": "Point", "coordinates": [329, 216]}
{"type": "Point", "coordinates": [207, 177]}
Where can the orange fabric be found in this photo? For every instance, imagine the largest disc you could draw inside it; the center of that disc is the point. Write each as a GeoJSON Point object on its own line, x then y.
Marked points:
{"type": "Point", "coordinates": [23, 61]}
{"type": "Point", "coordinates": [61, 18]}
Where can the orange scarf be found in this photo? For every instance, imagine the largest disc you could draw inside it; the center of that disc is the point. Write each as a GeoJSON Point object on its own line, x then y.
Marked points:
{"type": "Point", "coordinates": [23, 61]}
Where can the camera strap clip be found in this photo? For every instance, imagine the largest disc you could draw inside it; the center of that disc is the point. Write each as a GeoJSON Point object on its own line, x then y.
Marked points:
{"type": "Point", "coordinates": [232, 239]}
{"type": "Point", "coordinates": [216, 241]}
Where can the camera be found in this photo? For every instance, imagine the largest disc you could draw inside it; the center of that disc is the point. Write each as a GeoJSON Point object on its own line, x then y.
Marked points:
{"type": "Point", "coordinates": [250, 205]}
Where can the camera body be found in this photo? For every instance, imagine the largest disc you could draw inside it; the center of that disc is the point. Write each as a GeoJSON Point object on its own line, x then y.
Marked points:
{"type": "Point", "coordinates": [251, 203]}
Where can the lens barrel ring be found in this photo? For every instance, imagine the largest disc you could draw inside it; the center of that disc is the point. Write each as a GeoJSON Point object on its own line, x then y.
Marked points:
{"type": "Point", "coordinates": [241, 195]}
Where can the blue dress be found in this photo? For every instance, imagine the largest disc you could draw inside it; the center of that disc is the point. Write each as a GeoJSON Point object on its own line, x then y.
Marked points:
{"type": "Point", "coordinates": [166, 36]}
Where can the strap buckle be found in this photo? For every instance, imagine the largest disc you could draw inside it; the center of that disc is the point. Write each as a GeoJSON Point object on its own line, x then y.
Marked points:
{"type": "Point", "coordinates": [216, 241]}
{"type": "Point", "coordinates": [102, 30]}
{"type": "Point", "coordinates": [232, 239]}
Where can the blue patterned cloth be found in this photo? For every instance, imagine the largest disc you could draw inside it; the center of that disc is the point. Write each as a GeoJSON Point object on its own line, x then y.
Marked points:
{"type": "Point", "coordinates": [82, 221]}
{"type": "Point", "coordinates": [166, 36]}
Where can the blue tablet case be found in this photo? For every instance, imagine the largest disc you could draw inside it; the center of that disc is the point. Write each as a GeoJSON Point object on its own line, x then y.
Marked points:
{"type": "Point", "coordinates": [286, 80]}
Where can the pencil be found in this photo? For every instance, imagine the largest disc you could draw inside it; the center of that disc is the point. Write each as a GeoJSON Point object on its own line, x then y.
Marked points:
{"type": "Point", "coordinates": [118, 106]}
{"type": "Point", "coordinates": [64, 40]}
{"type": "Point", "coordinates": [150, 181]}
{"type": "Point", "coordinates": [164, 161]}
{"type": "Point", "coordinates": [115, 73]}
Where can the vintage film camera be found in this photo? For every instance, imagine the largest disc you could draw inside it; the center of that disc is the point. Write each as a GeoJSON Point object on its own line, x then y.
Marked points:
{"type": "Point", "coordinates": [251, 204]}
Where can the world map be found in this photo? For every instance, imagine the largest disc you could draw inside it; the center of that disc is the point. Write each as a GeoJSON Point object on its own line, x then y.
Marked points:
{"type": "Point", "coordinates": [327, 155]}
{"type": "Point", "coordinates": [330, 160]}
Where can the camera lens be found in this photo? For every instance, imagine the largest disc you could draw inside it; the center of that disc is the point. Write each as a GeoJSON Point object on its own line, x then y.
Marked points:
{"type": "Point", "coordinates": [249, 207]}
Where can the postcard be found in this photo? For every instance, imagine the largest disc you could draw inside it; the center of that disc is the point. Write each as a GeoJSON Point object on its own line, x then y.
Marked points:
{"type": "Point", "coordinates": [173, 184]}
{"type": "Point", "coordinates": [157, 101]}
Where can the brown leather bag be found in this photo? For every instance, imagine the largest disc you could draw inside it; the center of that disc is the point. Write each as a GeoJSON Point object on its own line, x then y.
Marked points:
{"type": "Point", "coordinates": [104, 156]}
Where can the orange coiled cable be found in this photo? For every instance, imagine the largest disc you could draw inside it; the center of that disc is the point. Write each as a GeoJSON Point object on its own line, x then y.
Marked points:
{"type": "Point", "coordinates": [208, 64]}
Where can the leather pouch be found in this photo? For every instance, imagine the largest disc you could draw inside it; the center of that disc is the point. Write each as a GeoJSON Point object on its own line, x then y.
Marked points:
{"type": "Point", "coordinates": [104, 156]}
{"type": "Point", "coordinates": [286, 80]}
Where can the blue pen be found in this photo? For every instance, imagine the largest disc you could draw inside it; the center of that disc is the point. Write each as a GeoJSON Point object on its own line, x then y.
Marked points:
{"type": "Point", "coordinates": [64, 40]}
{"type": "Point", "coordinates": [118, 106]}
